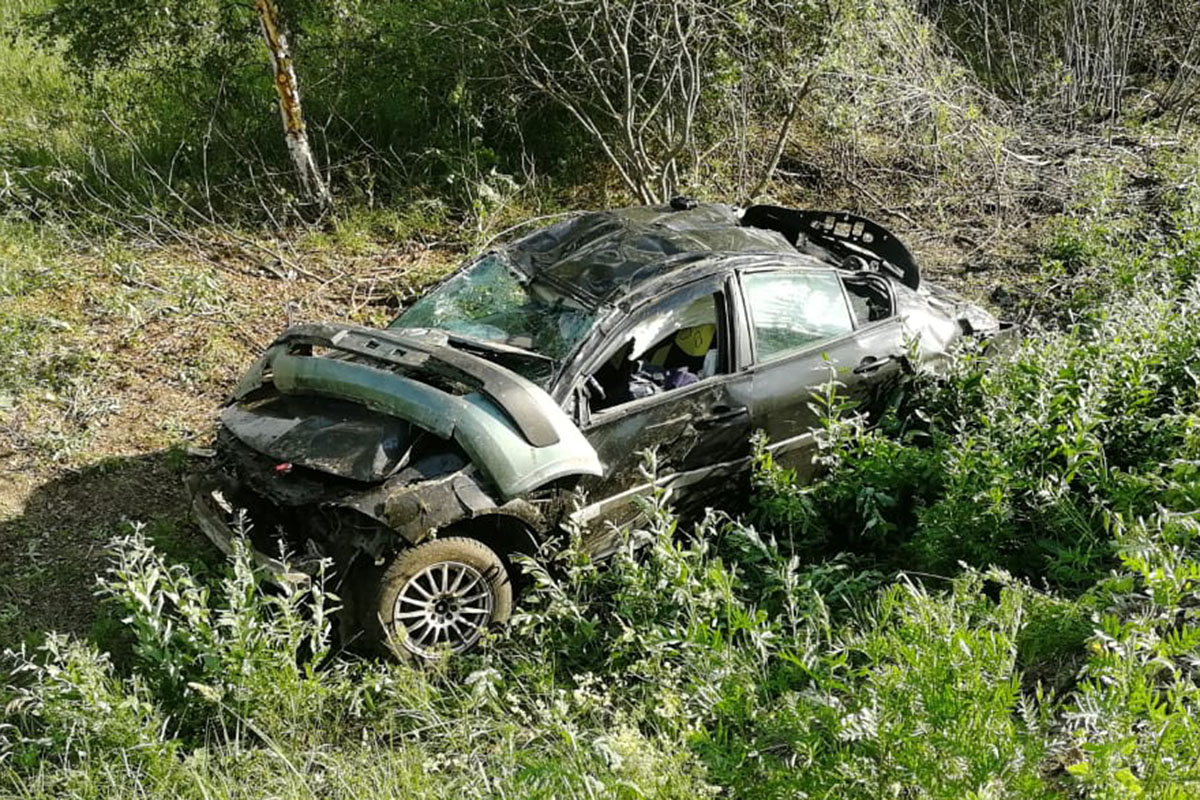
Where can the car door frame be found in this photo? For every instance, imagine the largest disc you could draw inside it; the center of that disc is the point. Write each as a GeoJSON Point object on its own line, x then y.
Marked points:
{"type": "Point", "coordinates": [733, 333]}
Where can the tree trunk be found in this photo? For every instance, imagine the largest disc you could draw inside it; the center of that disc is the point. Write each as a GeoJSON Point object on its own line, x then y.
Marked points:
{"type": "Point", "coordinates": [311, 182]}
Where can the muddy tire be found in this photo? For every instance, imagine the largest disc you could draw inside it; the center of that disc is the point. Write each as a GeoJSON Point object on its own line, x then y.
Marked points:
{"type": "Point", "coordinates": [439, 597]}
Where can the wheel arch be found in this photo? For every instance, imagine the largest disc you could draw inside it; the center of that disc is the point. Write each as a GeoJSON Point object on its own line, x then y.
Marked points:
{"type": "Point", "coordinates": [505, 533]}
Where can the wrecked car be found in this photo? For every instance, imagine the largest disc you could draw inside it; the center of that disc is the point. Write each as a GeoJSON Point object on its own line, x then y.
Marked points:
{"type": "Point", "coordinates": [422, 457]}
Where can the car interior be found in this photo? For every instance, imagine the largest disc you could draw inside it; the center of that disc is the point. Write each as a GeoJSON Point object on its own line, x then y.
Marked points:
{"type": "Point", "coordinates": [870, 300]}
{"type": "Point", "coordinates": [667, 351]}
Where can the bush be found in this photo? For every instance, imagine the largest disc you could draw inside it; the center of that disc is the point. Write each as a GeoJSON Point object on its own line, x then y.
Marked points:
{"type": "Point", "coordinates": [671, 673]}
{"type": "Point", "coordinates": [1026, 457]}
{"type": "Point", "coordinates": [1132, 722]}
{"type": "Point", "coordinates": [1069, 461]}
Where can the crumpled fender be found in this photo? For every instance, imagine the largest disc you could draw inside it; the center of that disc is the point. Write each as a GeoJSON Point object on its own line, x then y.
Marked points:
{"type": "Point", "coordinates": [938, 319]}
{"type": "Point", "coordinates": [476, 422]}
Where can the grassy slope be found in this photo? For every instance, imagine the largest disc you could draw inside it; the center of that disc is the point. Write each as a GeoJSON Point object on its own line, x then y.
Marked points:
{"type": "Point", "coordinates": [116, 357]}
{"type": "Point", "coordinates": [720, 666]}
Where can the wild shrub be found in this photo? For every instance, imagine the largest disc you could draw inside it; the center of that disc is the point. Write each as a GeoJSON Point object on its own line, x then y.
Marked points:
{"type": "Point", "coordinates": [245, 651]}
{"type": "Point", "coordinates": [673, 672]}
{"type": "Point", "coordinates": [1068, 461]}
{"type": "Point", "coordinates": [1018, 459]}
{"type": "Point", "coordinates": [229, 693]}
{"type": "Point", "coordinates": [230, 652]}
{"type": "Point", "coordinates": [939, 705]}
{"type": "Point", "coordinates": [694, 664]}
{"type": "Point", "coordinates": [733, 650]}
{"type": "Point", "coordinates": [1083, 57]}
{"type": "Point", "coordinates": [1132, 722]}
{"type": "Point", "coordinates": [69, 701]}
{"type": "Point", "coordinates": [658, 622]}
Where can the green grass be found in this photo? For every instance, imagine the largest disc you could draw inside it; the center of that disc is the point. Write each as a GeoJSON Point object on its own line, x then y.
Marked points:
{"type": "Point", "coordinates": [39, 328]}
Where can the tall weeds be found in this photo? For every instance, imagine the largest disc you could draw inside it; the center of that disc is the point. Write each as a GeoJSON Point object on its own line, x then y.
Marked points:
{"type": "Point", "coordinates": [670, 673]}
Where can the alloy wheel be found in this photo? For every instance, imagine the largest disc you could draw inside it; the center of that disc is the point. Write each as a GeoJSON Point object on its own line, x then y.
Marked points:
{"type": "Point", "coordinates": [447, 605]}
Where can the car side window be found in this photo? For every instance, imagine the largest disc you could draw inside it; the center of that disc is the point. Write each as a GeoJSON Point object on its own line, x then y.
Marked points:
{"type": "Point", "coordinates": [870, 300]}
{"type": "Point", "coordinates": [673, 347]}
{"type": "Point", "coordinates": [790, 310]}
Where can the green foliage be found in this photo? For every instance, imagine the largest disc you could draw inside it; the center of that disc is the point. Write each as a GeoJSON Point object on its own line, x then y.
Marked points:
{"type": "Point", "coordinates": [665, 91]}
{"type": "Point", "coordinates": [72, 701]}
{"type": "Point", "coordinates": [1133, 717]}
{"type": "Point", "coordinates": [712, 661]}
{"type": "Point", "coordinates": [171, 107]}
{"type": "Point", "coordinates": [1067, 458]}
{"type": "Point", "coordinates": [1027, 456]}
{"type": "Point", "coordinates": [671, 672]}
{"type": "Point", "coordinates": [953, 659]}
{"type": "Point", "coordinates": [193, 651]}
{"type": "Point", "coordinates": [1083, 57]}
{"type": "Point", "coordinates": [168, 107]}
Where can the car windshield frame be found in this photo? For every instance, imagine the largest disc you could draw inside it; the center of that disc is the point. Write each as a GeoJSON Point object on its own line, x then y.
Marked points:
{"type": "Point", "coordinates": [531, 327]}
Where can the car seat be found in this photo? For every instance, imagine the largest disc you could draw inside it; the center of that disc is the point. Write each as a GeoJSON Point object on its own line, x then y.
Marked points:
{"type": "Point", "coordinates": [689, 348]}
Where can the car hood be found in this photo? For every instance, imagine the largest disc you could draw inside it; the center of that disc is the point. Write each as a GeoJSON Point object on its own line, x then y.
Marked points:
{"type": "Point", "coordinates": [324, 434]}
{"type": "Point", "coordinates": [351, 401]}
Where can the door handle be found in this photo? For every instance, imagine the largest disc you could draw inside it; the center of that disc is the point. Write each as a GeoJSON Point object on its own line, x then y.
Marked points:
{"type": "Point", "coordinates": [870, 365]}
{"type": "Point", "coordinates": [720, 414]}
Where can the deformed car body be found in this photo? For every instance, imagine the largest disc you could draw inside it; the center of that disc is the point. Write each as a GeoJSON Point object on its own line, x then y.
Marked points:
{"type": "Point", "coordinates": [421, 457]}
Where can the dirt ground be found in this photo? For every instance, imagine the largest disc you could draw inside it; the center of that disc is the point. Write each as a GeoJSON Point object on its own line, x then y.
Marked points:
{"type": "Point", "coordinates": [79, 466]}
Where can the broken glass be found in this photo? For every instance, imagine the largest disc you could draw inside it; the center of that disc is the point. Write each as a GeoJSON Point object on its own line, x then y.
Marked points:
{"type": "Point", "coordinates": [491, 302]}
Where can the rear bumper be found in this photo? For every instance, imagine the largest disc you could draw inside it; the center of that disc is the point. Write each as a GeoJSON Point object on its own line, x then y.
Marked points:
{"type": "Point", "coordinates": [211, 512]}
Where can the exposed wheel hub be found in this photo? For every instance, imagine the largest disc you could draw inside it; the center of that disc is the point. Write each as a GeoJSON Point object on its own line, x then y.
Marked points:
{"type": "Point", "coordinates": [445, 605]}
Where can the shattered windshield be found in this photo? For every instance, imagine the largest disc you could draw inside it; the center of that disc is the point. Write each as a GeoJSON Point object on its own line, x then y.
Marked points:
{"type": "Point", "coordinates": [491, 302]}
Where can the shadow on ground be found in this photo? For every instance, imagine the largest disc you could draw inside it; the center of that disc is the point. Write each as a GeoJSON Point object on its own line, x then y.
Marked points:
{"type": "Point", "coordinates": [51, 553]}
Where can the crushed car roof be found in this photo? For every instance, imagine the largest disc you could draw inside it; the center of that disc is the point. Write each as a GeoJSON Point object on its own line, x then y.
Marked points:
{"type": "Point", "coordinates": [600, 255]}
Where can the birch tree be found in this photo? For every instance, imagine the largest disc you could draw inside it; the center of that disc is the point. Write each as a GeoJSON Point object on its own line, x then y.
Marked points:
{"type": "Point", "coordinates": [288, 89]}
